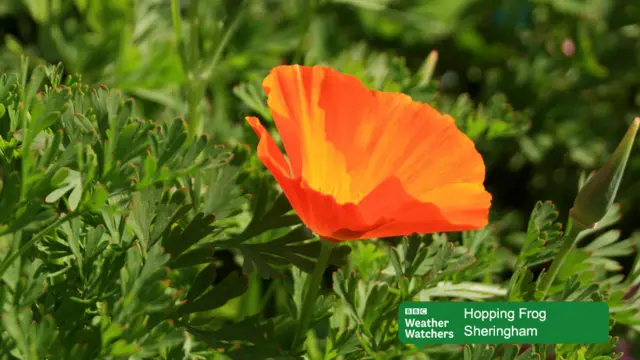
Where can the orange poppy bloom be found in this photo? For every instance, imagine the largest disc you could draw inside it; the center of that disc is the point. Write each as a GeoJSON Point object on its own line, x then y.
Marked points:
{"type": "Point", "coordinates": [367, 164]}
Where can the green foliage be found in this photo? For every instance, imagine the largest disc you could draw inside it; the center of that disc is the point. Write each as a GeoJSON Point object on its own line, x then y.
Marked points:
{"type": "Point", "coordinates": [137, 223]}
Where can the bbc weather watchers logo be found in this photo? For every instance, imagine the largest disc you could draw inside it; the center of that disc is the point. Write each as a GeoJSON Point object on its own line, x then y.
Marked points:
{"type": "Point", "coordinates": [415, 311]}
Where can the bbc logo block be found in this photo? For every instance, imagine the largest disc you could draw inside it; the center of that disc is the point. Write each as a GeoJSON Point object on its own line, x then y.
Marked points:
{"type": "Point", "coordinates": [415, 311]}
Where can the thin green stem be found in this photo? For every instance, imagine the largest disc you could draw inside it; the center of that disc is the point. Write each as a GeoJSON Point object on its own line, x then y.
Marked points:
{"type": "Point", "coordinates": [23, 108]}
{"type": "Point", "coordinates": [189, 56]}
{"type": "Point", "coordinates": [312, 285]}
{"type": "Point", "coordinates": [268, 294]}
{"type": "Point", "coordinates": [569, 240]}
{"type": "Point", "coordinates": [224, 41]}
{"type": "Point", "coordinates": [544, 351]}
{"type": "Point", "coordinates": [27, 245]}
{"type": "Point", "coordinates": [177, 27]}
{"type": "Point", "coordinates": [194, 83]}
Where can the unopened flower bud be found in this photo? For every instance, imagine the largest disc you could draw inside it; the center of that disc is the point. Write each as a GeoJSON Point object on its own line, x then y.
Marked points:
{"type": "Point", "coordinates": [595, 197]}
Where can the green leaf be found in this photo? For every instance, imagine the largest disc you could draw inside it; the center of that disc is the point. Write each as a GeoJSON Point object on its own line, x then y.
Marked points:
{"type": "Point", "coordinates": [543, 237]}
{"type": "Point", "coordinates": [73, 182]}
{"type": "Point", "coordinates": [522, 286]}
{"type": "Point", "coordinates": [470, 291]}
{"type": "Point", "coordinates": [251, 329]}
{"type": "Point", "coordinates": [202, 282]}
{"type": "Point", "coordinates": [59, 177]}
{"type": "Point", "coordinates": [478, 352]}
{"type": "Point", "coordinates": [231, 287]}
{"type": "Point", "coordinates": [177, 240]}
{"type": "Point", "coordinates": [123, 349]}
{"type": "Point", "coordinates": [99, 197]}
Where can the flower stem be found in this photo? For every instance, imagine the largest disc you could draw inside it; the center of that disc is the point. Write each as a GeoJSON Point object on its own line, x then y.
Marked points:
{"type": "Point", "coordinates": [177, 28]}
{"type": "Point", "coordinates": [194, 83]}
{"type": "Point", "coordinates": [312, 285]}
{"type": "Point", "coordinates": [574, 229]}
{"type": "Point", "coordinates": [189, 52]}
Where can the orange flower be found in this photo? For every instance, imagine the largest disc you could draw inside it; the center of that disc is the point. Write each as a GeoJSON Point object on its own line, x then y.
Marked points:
{"type": "Point", "coordinates": [368, 164]}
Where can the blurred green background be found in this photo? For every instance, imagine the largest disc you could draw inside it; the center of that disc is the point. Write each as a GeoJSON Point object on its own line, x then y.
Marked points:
{"type": "Point", "coordinates": [545, 87]}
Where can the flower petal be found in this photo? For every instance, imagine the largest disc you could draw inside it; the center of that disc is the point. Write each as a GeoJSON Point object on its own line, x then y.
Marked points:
{"type": "Point", "coordinates": [409, 140]}
{"type": "Point", "coordinates": [268, 151]}
{"type": "Point", "coordinates": [318, 211]}
{"type": "Point", "coordinates": [308, 105]}
{"type": "Point", "coordinates": [399, 214]}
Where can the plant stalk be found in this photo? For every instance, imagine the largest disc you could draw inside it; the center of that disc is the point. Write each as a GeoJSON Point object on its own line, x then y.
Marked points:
{"type": "Point", "coordinates": [574, 229]}
{"type": "Point", "coordinates": [311, 287]}
{"type": "Point", "coordinates": [189, 55]}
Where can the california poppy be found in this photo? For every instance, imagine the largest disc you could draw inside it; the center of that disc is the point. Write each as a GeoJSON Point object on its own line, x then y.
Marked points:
{"type": "Point", "coordinates": [368, 164]}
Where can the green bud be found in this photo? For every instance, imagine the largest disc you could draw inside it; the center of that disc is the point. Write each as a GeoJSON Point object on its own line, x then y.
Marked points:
{"type": "Point", "coordinates": [598, 193]}
{"type": "Point", "coordinates": [426, 70]}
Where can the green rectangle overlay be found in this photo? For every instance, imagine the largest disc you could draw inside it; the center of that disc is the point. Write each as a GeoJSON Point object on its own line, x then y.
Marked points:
{"type": "Point", "coordinates": [422, 323]}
